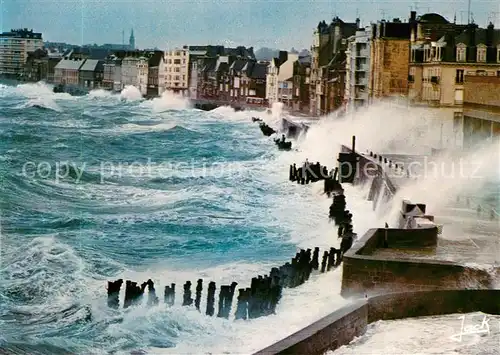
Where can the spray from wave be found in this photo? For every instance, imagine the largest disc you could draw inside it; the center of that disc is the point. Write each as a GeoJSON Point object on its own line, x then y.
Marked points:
{"type": "Point", "coordinates": [130, 93]}
{"type": "Point", "coordinates": [168, 101]}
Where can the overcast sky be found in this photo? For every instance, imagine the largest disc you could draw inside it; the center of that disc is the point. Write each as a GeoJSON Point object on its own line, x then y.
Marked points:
{"type": "Point", "coordinates": [171, 23]}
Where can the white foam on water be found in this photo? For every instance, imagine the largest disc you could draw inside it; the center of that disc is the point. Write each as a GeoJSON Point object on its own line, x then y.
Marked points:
{"type": "Point", "coordinates": [130, 93]}
{"type": "Point", "coordinates": [167, 101]}
{"type": "Point", "coordinates": [100, 93]}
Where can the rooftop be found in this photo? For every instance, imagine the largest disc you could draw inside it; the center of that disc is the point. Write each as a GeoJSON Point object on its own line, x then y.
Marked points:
{"type": "Point", "coordinates": [69, 64]}
{"type": "Point", "coordinates": [89, 65]}
{"type": "Point", "coordinates": [22, 33]}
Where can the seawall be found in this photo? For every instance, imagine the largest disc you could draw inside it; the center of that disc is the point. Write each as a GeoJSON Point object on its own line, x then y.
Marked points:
{"type": "Point", "coordinates": [342, 326]}
{"type": "Point", "coordinates": [391, 286]}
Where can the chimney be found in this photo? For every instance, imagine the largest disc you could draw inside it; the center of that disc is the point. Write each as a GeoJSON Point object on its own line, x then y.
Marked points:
{"type": "Point", "coordinates": [357, 23]}
{"type": "Point", "coordinates": [413, 16]}
{"type": "Point", "coordinates": [283, 56]}
{"type": "Point", "coordinates": [490, 31]}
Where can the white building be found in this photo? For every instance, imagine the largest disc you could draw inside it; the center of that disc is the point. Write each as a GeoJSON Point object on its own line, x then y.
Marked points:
{"type": "Point", "coordinates": [177, 70]}
{"type": "Point", "coordinates": [195, 53]}
{"type": "Point", "coordinates": [135, 73]}
{"type": "Point", "coordinates": [14, 48]}
{"type": "Point", "coordinates": [285, 79]}
{"type": "Point", "coordinates": [357, 69]}
{"type": "Point", "coordinates": [272, 81]}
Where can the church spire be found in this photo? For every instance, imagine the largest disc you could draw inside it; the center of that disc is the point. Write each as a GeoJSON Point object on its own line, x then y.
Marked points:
{"type": "Point", "coordinates": [131, 41]}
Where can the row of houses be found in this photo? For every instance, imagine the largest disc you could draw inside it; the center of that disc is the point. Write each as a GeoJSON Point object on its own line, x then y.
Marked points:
{"type": "Point", "coordinates": [425, 60]}
{"type": "Point", "coordinates": [232, 75]}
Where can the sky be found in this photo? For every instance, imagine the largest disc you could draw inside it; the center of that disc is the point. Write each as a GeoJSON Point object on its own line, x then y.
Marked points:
{"type": "Point", "coordinates": [172, 23]}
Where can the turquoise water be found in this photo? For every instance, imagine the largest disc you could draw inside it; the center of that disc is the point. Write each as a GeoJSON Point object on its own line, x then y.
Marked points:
{"type": "Point", "coordinates": [101, 187]}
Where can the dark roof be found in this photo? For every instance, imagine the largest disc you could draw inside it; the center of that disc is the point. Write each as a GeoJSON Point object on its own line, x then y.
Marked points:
{"type": "Point", "coordinates": [238, 65]}
{"type": "Point", "coordinates": [209, 64]}
{"type": "Point", "coordinates": [100, 66]}
{"type": "Point", "coordinates": [38, 54]}
{"type": "Point", "coordinates": [22, 33]}
{"type": "Point", "coordinates": [432, 18]}
{"type": "Point", "coordinates": [222, 67]}
{"type": "Point", "coordinates": [305, 59]}
{"type": "Point", "coordinates": [92, 53]}
{"type": "Point", "coordinates": [259, 71]}
{"type": "Point", "coordinates": [241, 52]}
{"type": "Point", "coordinates": [480, 36]}
{"type": "Point", "coordinates": [155, 58]}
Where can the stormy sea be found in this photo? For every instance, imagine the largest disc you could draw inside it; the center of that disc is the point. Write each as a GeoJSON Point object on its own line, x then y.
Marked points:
{"type": "Point", "coordinates": [108, 186]}
{"type": "Point", "coordinates": [105, 186]}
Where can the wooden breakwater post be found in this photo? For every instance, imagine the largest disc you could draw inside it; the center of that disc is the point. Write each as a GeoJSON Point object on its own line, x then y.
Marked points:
{"type": "Point", "coordinates": [324, 261]}
{"type": "Point", "coordinates": [199, 289]}
{"type": "Point", "coordinates": [242, 305]}
{"type": "Point", "coordinates": [152, 298]}
{"type": "Point", "coordinates": [169, 295]}
{"type": "Point", "coordinates": [348, 164]}
{"type": "Point", "coordinates": [210, 299]}
{"type": "Point", "coordinates": [187, 299]}
{"type": "Point", "coordinates": [114, 293]}
{"type": "Point", "coordinates": [315, 259]}
{"type": "Point", "coordinates": [337, 207]}
{"type": "Point", "coordinates": [226, 299]}
{"type": "Point", "coordinates": [133, 293]}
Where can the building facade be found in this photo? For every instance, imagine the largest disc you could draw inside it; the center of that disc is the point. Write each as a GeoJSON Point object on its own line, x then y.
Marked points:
{"type": "Point", "coordinates": [442, 54]}
{"type": "Point", "coordinates": [67, 71]}
{"type": "Point", "coordinates": [177, 70]}
{"type": "Point", "coordinates": [134, 72]}
{"type": "Point", "coordinates": [358, 69]}
{"type": "Point", "coordinates": [328, 63]}
{"type": "Point", "coordinates": [389, 59]}
{"type": "Point", "coordinates": [272, 87]}
{"type": "Point", "coordinates": [14, 48]}
{"type": "Point", "coordinates": [481, 108]}
{"type": "Point", "coordinates": [91, 73]}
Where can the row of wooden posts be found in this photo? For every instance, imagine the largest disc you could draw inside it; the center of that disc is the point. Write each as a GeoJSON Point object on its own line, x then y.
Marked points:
{"type": "Point", "coordinates": [264, 293]}
{"type": "Point", "coordinates": [260, 299]}
{"type": "Point", "coordinates": [341, 217]}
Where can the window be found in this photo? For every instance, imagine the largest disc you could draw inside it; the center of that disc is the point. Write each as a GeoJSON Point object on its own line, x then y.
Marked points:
{"type": "Point", "coordinates": [459, 96]}
{"type": "Point", "coordinates": [459, 78]}
{"type": "Point", "coordinates": [498, 73]}
{"type": "Point", "coordinates": [461, 53]}
{"type": "Point", "coordinates": [498, 55]}
{"type": "Point", "coordinates": [481, 54]}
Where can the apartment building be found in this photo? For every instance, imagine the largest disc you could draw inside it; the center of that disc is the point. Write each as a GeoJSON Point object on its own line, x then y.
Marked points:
{"type": "Point", "coordinates": [357, 69]}
{"type": "Point", "coordinates": [14, 48]}
{"type": "Point", "coordinates": [389, 57]}
{"type": "Point", "coordinates": [135, 71]}
{"type": "Point", "coordinates": [177, 70]}
{"type": "Point", "coordinates": [442, 55]}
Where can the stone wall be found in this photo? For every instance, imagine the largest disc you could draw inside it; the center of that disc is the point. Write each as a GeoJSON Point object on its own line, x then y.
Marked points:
{"type": "Point", "coordinates": [330, 332]}
{"type": "Point", "coordinates": [369, 170]}
{"type": "Point", "coordinates": [430, 303]}
{"type": "Point", "coordinates": [364, 273]}
{"type": "Point", "coordinates": [342, 326]}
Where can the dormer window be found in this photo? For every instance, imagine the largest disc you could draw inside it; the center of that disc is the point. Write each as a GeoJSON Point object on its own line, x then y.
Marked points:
{"type": "Point", "coordinates": [498, 53]}
{"type": "Point", "coordinates": [461, 52]}
{"type": "Point", "coordinates": [481, 53]}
